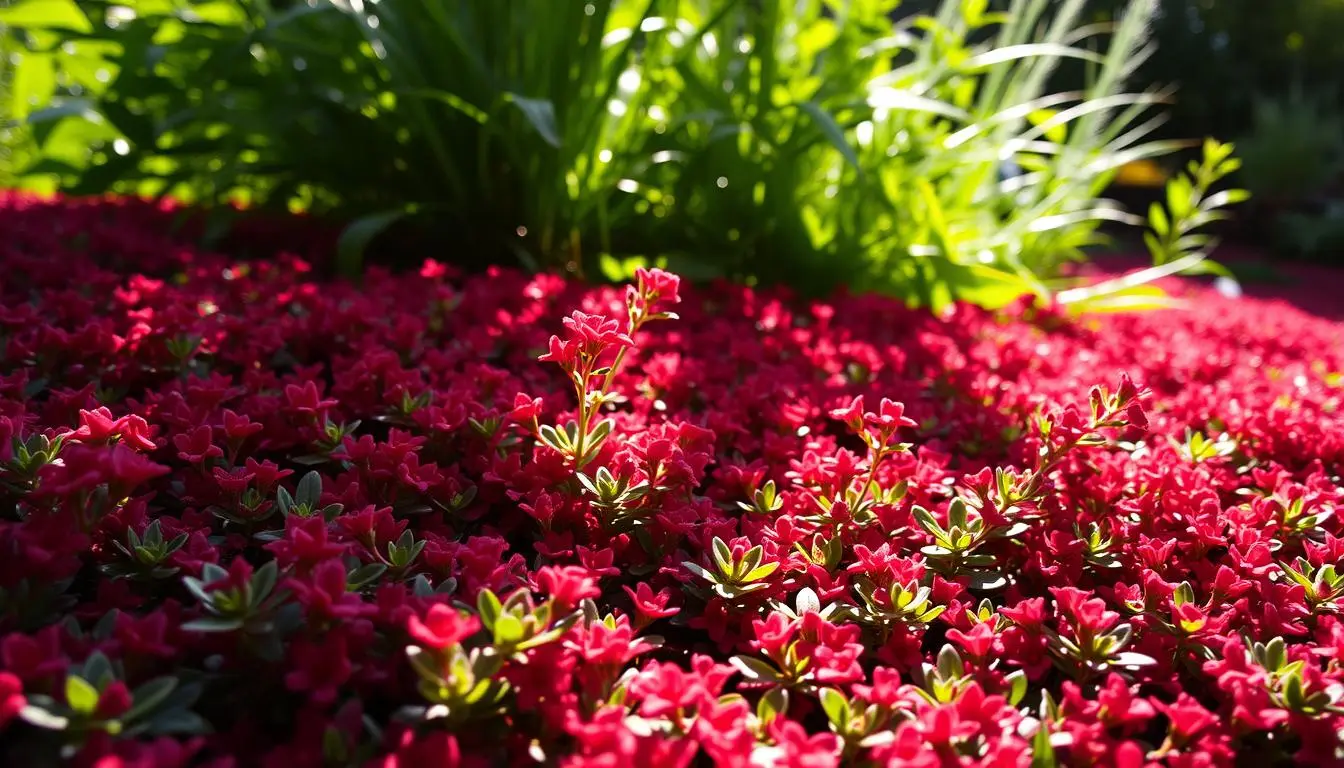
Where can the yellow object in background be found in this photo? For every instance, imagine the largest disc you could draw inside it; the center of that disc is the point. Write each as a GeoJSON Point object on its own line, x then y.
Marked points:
{"type": "Point", "coordinates": [1141, 173]}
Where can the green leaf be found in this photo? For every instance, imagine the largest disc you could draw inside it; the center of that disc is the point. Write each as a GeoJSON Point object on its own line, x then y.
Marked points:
{"type": "Point", "coordinates": [263, 582]}
{"type": "Point", "coordinates": [836, 706]}
{"type": "Point", "coordinates": [355, 239]}
{"type": "Point", "coordinates": [1042, 751]}
{"type": "Point", "coordinates": [197, 588]}
{"type": "Point", "coordinates": [897, 99]}
{"type": "Point", "coordinates": [949, 663]}
{"type": "Point", "coordinates": [180, 722]}
{"type": "Point", "coordinates": [540, 114]}
{"type": "Point", "coordinates": [32, 85]}
{"type": "Point", "coordinates": [365, 575]}
{"type": "Point", "coordinates": [760, 572]}
{"type": "Point", "coordinates": [1134, 299]}
{"type": "Point", "coordinates": [80, 695]}
{"type": "Point", "coordinates": [1017, 687]}
{"type": "Point", "coordinates": [1132, 659]}
{"type": "Point", "coordinates": [488, 606]}
{"type": "Point", "coordinates": [148, 696]}
{"type": "Point", "coordinates": [46, 14]}
{"type": "Point", "coordinates": [701, 572]}
{"type": "Point", "coordinates": [45, 120]}
{"type": "Point", "coordinates": [508, 629]}
{"type": "Point", "coordinates": [98, 670]}
{"type": "Point", "coordinates": [772, 704]}
{"type": "Point", "coordinates": [213, 624]}
{"type": "Point", "coordinates": [723, 556]}
{"type": "Point", "coordinates": [833, 133]}
{"type": "Point", "coordinates": [753, 669]}
{"type": "Point", "coordinates": [926, 520]}
{"type": "Point", "coordinates": [309, 491]}
{"type": "Point", "coordinates": [982, 284]}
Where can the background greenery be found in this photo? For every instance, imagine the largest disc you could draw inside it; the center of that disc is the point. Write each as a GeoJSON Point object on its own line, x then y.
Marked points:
{"type": "Point", "coordinates": [1270, 76]}
{"type": "Point", "coordinates": [935, 150]}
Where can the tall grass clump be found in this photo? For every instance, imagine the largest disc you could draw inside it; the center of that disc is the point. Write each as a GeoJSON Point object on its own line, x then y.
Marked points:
{"type": "Point", "coordinates": [921, 152]}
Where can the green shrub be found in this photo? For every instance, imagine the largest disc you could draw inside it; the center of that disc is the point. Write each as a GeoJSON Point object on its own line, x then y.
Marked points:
{"type": "Point", "coordinates": [1294, 149]}
{"type": "Point", "coordinates": [812, 142]}
{"type": "Point", "coordinates": [1293, 164]}
{"type": "Point", "coordinates": [1221, 54]}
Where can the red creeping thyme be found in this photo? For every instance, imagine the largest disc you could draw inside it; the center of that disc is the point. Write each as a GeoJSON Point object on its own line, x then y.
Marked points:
{"type": "Point", "coordinates": [252, 517]}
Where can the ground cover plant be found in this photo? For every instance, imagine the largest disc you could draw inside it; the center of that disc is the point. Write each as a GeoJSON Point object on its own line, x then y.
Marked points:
{"type": "Point", "coordinates": [251, 517]}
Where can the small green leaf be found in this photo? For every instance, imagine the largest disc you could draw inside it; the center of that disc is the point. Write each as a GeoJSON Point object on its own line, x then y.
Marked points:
{"type": "Point", "coordinates": [1132, 659]}
{"type": "Point", "coordinates": [213, 624]}
{"type": "Point", "coordinates": [701, 572]}
{"type": "Point", "coordinates": [1042, 751]}
{"type": "Point", "coordinates": [723, 556]}
{"type": "Point", "coordinates": [309, 490]}
{"type": "Point", "coordinates": [773, 703]}
{"type": "Point", "coordinates": [365, 575]}
{"type": "Point", "coordinates": [836, 706]}
{"type": "Point", "coordinates": [1017, 687]}
{"type": "Point", "coordinates": [46, 14]}
{"type": "Point", "coordinates": [760, 572]}
{"type": "Point", "coordinates": [753, 669]}
{"type": "Point", "coordinates": [263, 581]}
{"type": "Point", "coordinates": [148, 696]}
{"type": "Point", "coordinates": [488, 606]}
{"type": "Point", "coordinates": [508, 629]}
{"type": "Point", "coordinates": [540, 114]}
{"type": "Point", "coordinates": [179, 722]}
{"type": "Point", "coordinates": [80, 695]}
{"type": "Point", "coordinates": [832, 131]}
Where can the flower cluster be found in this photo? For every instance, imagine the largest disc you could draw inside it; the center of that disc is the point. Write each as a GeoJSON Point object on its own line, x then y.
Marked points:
{"type": "Point", "coordinates": [250, 516]}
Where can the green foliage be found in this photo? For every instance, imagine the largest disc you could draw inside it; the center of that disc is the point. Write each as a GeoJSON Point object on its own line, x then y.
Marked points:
{"type": "Point", "coordinates": [1224, 53]}
{"type": "Point", "coordinates": [811, 142]}
{"type": "Point", "coordinates": [1268, 75]}
{"type": "Point", "coordinates": [1293, 162]}
{"type": "Point", "coordinates": [1177, 236]}
{"type": "Point", "coordinates": [1295, 147]}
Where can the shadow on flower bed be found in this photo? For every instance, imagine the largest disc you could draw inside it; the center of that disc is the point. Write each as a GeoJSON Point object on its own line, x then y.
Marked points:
{"type": "Point", "coordinates": [251, 517]}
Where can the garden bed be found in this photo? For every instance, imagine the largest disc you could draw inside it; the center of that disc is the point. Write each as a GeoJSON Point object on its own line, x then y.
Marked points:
{"type": "Point", "coordinates": [251, 517]}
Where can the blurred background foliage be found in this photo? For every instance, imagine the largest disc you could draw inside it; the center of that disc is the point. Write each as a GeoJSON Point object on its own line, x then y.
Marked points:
{"type": "Point", "coordinates": [932, 149]}
{"type": "Point", "coordinates": [1269, 75]}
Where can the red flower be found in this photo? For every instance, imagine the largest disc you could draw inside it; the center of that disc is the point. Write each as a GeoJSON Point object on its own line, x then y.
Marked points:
{"type": "Point", "coordinates": [319, 669]}
{"type": "Point", "coordinates": [851, 414]}
{"type": "Point", "coordinates": [567, 585]}
{"type": "Point", "coordinates": [434, 749]}
{"type": "Point", "coordinates": [650, 605]}
{"type": "Point", "coordinates": [12, 700]}
{"type": "Point", "coordinates": [890, 415]}
{"type": "Point", "coordinates": [979, 642]}
{"type": "Point", "coordinates": [306, 544]}
{"type": "Point", "coordinates": [306, 400]}
{"type": "Point", "coordinates": [197, 446]}
{"type": "Point", "coordinates": [97, 427]}
{"type": "Point", "coordinates": [443, 627]}
{"type": "Point", "coordinates": [656, 285]}
{"type": "Point", "coordinates": [114, 701]}
{"type": "Point", "coordinates": [325, 596]}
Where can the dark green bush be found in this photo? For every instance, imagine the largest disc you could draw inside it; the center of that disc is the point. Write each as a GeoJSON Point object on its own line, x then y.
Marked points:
{"type": "Point", "coordinates": [1223, 55]}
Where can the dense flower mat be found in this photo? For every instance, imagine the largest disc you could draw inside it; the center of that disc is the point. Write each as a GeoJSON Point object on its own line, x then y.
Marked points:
{"type": "Point", "coordinates": [251, 518]}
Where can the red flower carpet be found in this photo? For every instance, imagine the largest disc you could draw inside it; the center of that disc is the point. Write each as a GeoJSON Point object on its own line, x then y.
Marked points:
{"type": "Point", "coordinates": [250, 517]}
